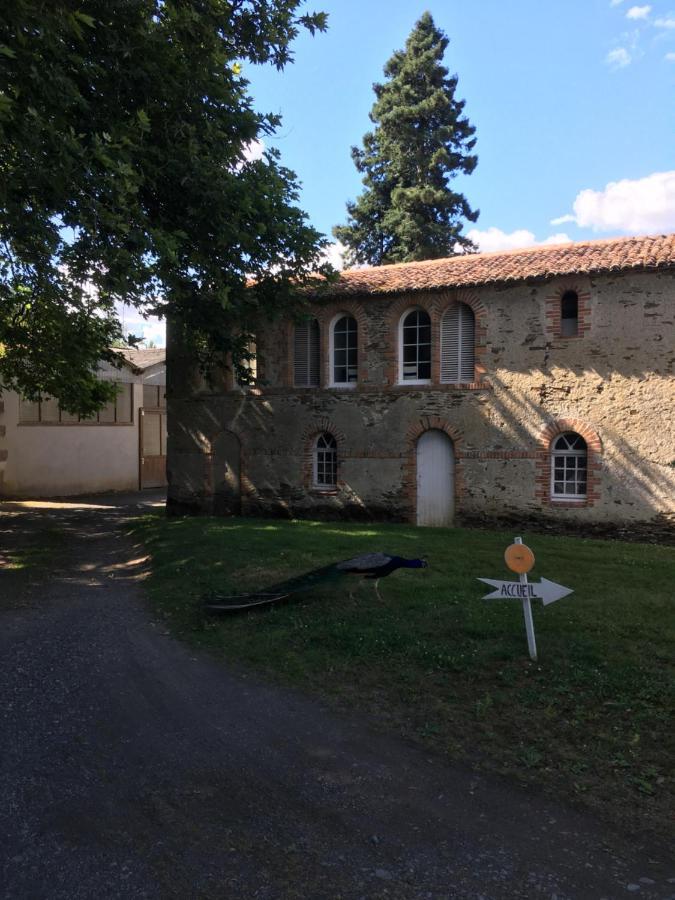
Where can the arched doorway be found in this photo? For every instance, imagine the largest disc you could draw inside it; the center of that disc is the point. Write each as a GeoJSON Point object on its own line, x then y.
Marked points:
{"type": "Point", "coordinates": [435, 479]}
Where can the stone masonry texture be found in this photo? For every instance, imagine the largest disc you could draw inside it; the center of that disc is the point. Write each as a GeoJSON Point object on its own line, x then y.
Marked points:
{"type": "Point", "coordinates": [249, 450]}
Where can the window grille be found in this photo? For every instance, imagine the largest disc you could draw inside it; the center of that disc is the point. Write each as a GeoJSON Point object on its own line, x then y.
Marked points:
{"type": "Point", "coordinates": [569, 314]}
{"type": "Point", "coordinates": [569, 467]}
{"type": "Point", "coordinates": [345, 351]}
{"type": "Point", "coordinates": [458, 330]}
{"type": "Point", "coordinates": [306, 354]}
{"type": "Point", "coordinates": [325, 462]}
{"type": "Point", "coordinates": [416, 347]}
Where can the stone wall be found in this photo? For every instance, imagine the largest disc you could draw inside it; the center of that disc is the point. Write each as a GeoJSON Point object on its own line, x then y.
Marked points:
{"type": "Point", "coordinates": [249, 451]}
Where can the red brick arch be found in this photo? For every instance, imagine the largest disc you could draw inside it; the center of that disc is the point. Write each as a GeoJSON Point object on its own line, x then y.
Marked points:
{"type": "Point", "coordinates": [553, 307]}
{"type": "Point", "coordinates": [326, 315]}
{"type": "Point", "coordinates": [414, 433]}
{"type": "Point", "coordinates": [309, 436]}
{"type": "Point", "coordinates": [427, 302]}
{"type": "Point", "coordinates": [474, 302]}
{"type": "Point", "coordinates": [543, 465]}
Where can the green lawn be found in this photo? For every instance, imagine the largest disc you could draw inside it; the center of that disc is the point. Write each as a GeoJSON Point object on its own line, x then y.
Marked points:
{"type": "Point", "coordinates": [592, 720]}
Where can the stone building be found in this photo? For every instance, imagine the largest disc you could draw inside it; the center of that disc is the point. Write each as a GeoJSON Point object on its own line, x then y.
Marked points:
{"type": "Point", "coordinates": [533, 383]}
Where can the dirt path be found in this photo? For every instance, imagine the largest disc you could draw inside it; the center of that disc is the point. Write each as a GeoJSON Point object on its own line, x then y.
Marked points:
{"type": "Point", "coordinates": [132, 768]}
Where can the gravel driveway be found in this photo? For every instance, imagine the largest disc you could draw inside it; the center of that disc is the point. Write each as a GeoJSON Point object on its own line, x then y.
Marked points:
{"type": "Point", "coordinates": [133, 768]}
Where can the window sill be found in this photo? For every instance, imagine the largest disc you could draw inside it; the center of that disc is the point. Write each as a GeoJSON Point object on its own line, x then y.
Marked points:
{"type": "Point", "coordinates": [324, 492]}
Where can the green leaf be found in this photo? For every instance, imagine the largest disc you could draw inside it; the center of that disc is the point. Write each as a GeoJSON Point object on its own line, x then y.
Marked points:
{"type": "Point", "coordinates": [143, 119]}
{"type": "Point", "coordinates": [85, 19]}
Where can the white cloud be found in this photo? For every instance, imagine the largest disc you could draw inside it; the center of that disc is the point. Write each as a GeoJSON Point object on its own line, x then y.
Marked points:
{"type": "Point", "coordinates": [638, 12]}
{"type": "Point", "coordinates": [615, 2]}
{"type": "Point", "coordinates": [254, 150]}
{"type": "Point", "coordinates": [559, 238]}
{"type": "Point", "coordinates": [618, 58]}
{"type": "Point", "coordinates": [493, 240]}
{"type": "Point", "coordinates": [335, 255]}
{"type": "Point", "coordinates": [669, 57]}
{"type": "Point", "coordinates": [562, 220]}
{"type": "Point", "coordinates": [665, 22]}
{"type": "Point", "coordinates": [150, 329]}
{"type": "Point", "coordinates": [638, 206]}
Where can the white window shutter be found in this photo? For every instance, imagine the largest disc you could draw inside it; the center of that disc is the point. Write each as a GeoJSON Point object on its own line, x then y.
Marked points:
{"type": "Point", "coordinates": [306, 354]}
{"type": "Point", "coordinates": [457, 344]}
{"type": "Point", "coordinates": [467, 343]}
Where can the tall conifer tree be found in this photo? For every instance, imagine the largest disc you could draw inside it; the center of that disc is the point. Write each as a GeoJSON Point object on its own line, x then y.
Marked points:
{"type": "Point", "coordinates": [421, 141]}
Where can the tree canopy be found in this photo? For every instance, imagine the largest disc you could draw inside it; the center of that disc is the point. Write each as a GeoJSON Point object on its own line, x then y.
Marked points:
{"type": "Point", "coordinates": [125, 176]}
{"type": "Point", "coordinates": [408, 210]}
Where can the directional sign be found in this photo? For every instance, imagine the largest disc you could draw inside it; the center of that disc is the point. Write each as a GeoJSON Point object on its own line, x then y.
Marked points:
{"type": "Point", "coordinates": [520, 559]}
{"type": "Point", "coordinates": [546, 590]}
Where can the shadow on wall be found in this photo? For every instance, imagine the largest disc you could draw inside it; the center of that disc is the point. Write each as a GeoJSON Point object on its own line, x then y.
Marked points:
{"type": "Point", "coordinates": [628, 476]}
{"type": "Point", "coordinates": [636, 478]}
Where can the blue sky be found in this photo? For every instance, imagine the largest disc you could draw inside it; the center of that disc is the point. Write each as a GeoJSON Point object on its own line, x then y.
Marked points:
{"type": "Point", "coordinates": [573, 103]}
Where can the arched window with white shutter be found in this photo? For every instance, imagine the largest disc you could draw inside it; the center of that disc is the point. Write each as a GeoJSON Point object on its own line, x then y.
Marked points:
{"type": "Point", "coordinates": [306, 356]}
{"type": "Point", "coordinates": [458, 335]}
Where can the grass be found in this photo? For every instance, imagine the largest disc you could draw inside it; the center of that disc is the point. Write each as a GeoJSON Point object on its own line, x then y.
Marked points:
{"type": "Point", "coordinates": [36, 552]}
{"type": "Point", "coordinates": [592, 720]}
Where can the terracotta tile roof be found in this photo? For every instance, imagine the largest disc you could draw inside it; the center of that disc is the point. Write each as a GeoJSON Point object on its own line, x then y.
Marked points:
{"type": "Point", "coordinates": [140, 360]}
{"type": "Point", "coordinates": [589, 257]}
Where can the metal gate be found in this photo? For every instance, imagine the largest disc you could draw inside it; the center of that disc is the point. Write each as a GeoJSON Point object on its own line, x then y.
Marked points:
{"type": "Point", "coordinates": [152, 448]}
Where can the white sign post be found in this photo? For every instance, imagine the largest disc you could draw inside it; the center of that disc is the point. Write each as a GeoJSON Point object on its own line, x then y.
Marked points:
{"type": "Point", "coordinates": [520, 559]}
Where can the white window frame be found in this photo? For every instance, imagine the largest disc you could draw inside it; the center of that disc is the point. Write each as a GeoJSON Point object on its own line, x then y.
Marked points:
{"type": "Point", "coordinates": [463, 345]}
{"type": "Point", "coordinates": [347, 385]}
{"type": "Point", "coordinates": [413, 381]}
{"type": "Point", "coordinates": [308, 351]}
{"type": "Point", "coordinates": [332, 451]}
{"type": "Point", "coordinates": [568, 454]}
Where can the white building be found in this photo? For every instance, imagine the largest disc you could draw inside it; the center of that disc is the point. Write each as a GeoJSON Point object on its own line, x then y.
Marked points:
{"type": "Point", "coordinates": [46, 452]}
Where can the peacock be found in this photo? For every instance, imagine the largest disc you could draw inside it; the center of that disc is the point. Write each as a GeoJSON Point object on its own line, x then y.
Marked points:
{"type": "Point", "coordinates": [372, 566]}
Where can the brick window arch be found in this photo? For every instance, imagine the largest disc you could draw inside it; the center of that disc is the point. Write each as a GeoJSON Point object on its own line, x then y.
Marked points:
{"type": "Point", "coordinates": [569, 314]}
{"type": "Point", "coordinates": [560, 457]}
{"type": "Point", "coordinates": [325, 462]}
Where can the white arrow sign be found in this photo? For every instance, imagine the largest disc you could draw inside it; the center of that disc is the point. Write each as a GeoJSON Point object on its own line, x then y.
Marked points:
{"type": "Point", "coordinates": [546, 590]}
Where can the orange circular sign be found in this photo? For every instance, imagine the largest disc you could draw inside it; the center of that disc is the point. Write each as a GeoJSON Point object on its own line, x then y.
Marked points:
{"type": "Point", "coordinates": [519, 558]}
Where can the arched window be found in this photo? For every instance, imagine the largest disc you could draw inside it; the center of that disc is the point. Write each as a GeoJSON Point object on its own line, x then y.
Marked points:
{"type": "Point", "coordinates": [458, 328]}
{"type": "Point", "coordinates": [325, 462]}
{"type": "Point", "coordinates": [344, 351]}
{"type": "Point", "coordinates": [415, 347]}
{"type": "Point", "coordinates": [569, 467]}
{"type": "Point", "coordinates": [306, 354]}
{"type": "Point", "coordinates": [569, 314]}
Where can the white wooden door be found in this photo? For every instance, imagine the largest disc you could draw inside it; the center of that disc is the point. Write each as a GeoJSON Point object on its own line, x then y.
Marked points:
{"type": "Point", "coordinates": [435, 479]}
